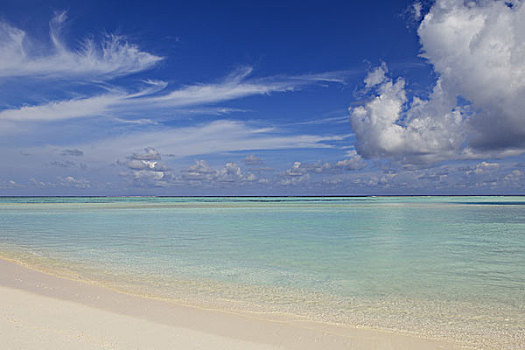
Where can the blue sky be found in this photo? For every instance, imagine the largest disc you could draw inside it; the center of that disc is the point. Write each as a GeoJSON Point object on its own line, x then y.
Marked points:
{"type": "Point", "coordinates": [262, 97]}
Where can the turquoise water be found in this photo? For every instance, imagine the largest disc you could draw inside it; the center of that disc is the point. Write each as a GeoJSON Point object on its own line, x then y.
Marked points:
{"type": "Point", "coordinates": [445, 267]}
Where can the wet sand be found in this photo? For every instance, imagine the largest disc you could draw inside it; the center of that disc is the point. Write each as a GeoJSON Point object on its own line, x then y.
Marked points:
{"type": "Point", "coordinates": [43, 311]}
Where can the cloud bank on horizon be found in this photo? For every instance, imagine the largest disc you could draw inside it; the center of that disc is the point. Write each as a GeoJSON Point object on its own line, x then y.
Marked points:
{"type": "Point", "coordinates": [104, 116]}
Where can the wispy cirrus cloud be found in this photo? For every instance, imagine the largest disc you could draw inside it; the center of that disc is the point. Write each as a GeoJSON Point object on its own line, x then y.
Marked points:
{"type": "Point", "coordinates": [209, 138]}
{"type": "Point", "coordinates": [112, 56]}
{"type": "Point", "coordinates": [239, 84]}
{"type": "Point", "coordinates": [135, 129]}
{"type": "Point", "coordinates": [68, 109]}
{"type": "Point", "coordinates": [96, 63]}
{"type": "Point", "coordinates": [154, 97]}
{"type": "Point", "coordinates": [234, 86]}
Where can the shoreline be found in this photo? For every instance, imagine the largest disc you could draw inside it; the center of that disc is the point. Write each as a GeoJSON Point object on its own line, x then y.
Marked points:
{"type": "Point", "coordinates": [80, 305]}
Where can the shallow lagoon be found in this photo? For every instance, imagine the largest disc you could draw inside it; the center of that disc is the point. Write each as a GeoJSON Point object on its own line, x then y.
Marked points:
{"type": "Point", "coordinates": [450, 267]}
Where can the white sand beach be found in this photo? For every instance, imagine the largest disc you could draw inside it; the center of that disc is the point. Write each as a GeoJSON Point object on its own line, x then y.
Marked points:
{"type": "Point", "coordinates": [42, 311]}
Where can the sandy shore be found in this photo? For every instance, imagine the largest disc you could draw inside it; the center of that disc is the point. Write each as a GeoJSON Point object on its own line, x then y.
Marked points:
{"type": "Point", "coordinates": [42, 311]}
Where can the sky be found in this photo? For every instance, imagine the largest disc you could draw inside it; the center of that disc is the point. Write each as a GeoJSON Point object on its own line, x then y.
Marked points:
{"type": "Point", "coordinates": [262, 97]}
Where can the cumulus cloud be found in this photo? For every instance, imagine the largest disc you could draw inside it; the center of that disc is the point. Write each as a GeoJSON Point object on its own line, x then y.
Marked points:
{"type": "Point", "coordinates": [232, 173]}
{"type": "Point", "coordinates": [149, 154]}
{"type": "Point", "coordinates": [70, 181]}
{"type": "Point", "coordinates": [289, 181]}
{"type": "Point", "coordinates": [62, 181]}
{"type": "Point", "coordinates": [457, 177]}
{"type": "Point", "coordinates": [353, 162]}
{"type": "Point", "coordinates": [151, 177]}
{"type": "Point", "coordinates": [482, 168]}
{"type": "Point", "coordinates": [301, 169]}
{"type": "Point", "coordinates": [301, 172]}
{"type": "Point", "coordinates": [9, 184]}
{"type": "Point", "coordinates": [40, 184]}
{"type": "Point", "coordinates": [425, 131]}
{"type": "Point", "coordinates": [113, 56]}
{"type": "Point", "coordinates": [515, 178]}
{"type": "Point", "coordinates": [145, 168]}
{"type": "Point", "coordinates": [199, 172]}
{"type": "Point", "coordinates": [477, 50]}
{"type": "Point", "coordinates": [256, 164]}
{"type": "Point", "coordinates": [483, 174]}
{"type": "Point", "coordinates": [376, 76]}
{"type": "Point", "coordinates": [202, 173]}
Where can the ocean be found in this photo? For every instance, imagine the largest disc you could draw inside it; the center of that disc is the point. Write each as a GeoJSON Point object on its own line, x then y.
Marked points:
{"type": "Point", "coordinates": [439, 267]}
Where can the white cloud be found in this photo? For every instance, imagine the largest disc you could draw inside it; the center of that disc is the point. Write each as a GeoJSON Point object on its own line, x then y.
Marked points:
{"type": "Point", "coordinates": [294, 180]}
{"type": "Point", "coordinates": [328, 77]}
{"type": "Point", "coordinates": [199, 172]}
{"type": "Point", "coordinates": [66, 181]}
{"type": "Point", "coordinates": [9, 184]}
{"type": "Point", "coordinates": [39, 183]}
{"type": "Point", "coordinates": [70, 181]}
{"type": "Point", "coordinates": [301, 172]}
{"type": "Point", "coordinates": [234, 86]}
{"type": "Point", "coordinates": [354, 162]}
{"type": "Point", "coordinates": [113, 102]}
{"type": "Point", "coordinates": [478, 51]}
{"type": "Point", "coordinates": [376, 77]}
{"type": "Point", "coordinates": [324, 121]}
{"type": "Point", "coordinates": [417, 7]}
{"type": "Point", "coordinates": [426, 131]}
{"type": "Point", "coordinates": [202, 173]}
{"type": "Point", "coordinates": [232, 173]}
{"type": "Point", "coordinates": [77, 108]}
{"type": "Point", "coordinates": [215, 137]}
{"type": "Point", "coordinates": [515, 179]}
{"type": "Point", "coordinates": [145, 168]}
{"type": "Point", "coordinates": [484, 167]}
{"type": "Point", "coordinates": [146, 177]}
{"type": "Point", "coordinates": [153, 98]}
{"type": "Point", "coordinates": [149, 154]}
{"type": "Point", "coordinates": [112, 56]}
{"type": "Point", "coordinates": [137, 164]}
{"type": "Point", "coordinates": [237, 85]}
{"type": "Point", "coordinates": [301, 169]}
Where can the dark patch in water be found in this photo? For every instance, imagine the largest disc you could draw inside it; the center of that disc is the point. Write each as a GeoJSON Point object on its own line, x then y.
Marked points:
{"type": "Point", "coordinates": [490, 203]}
